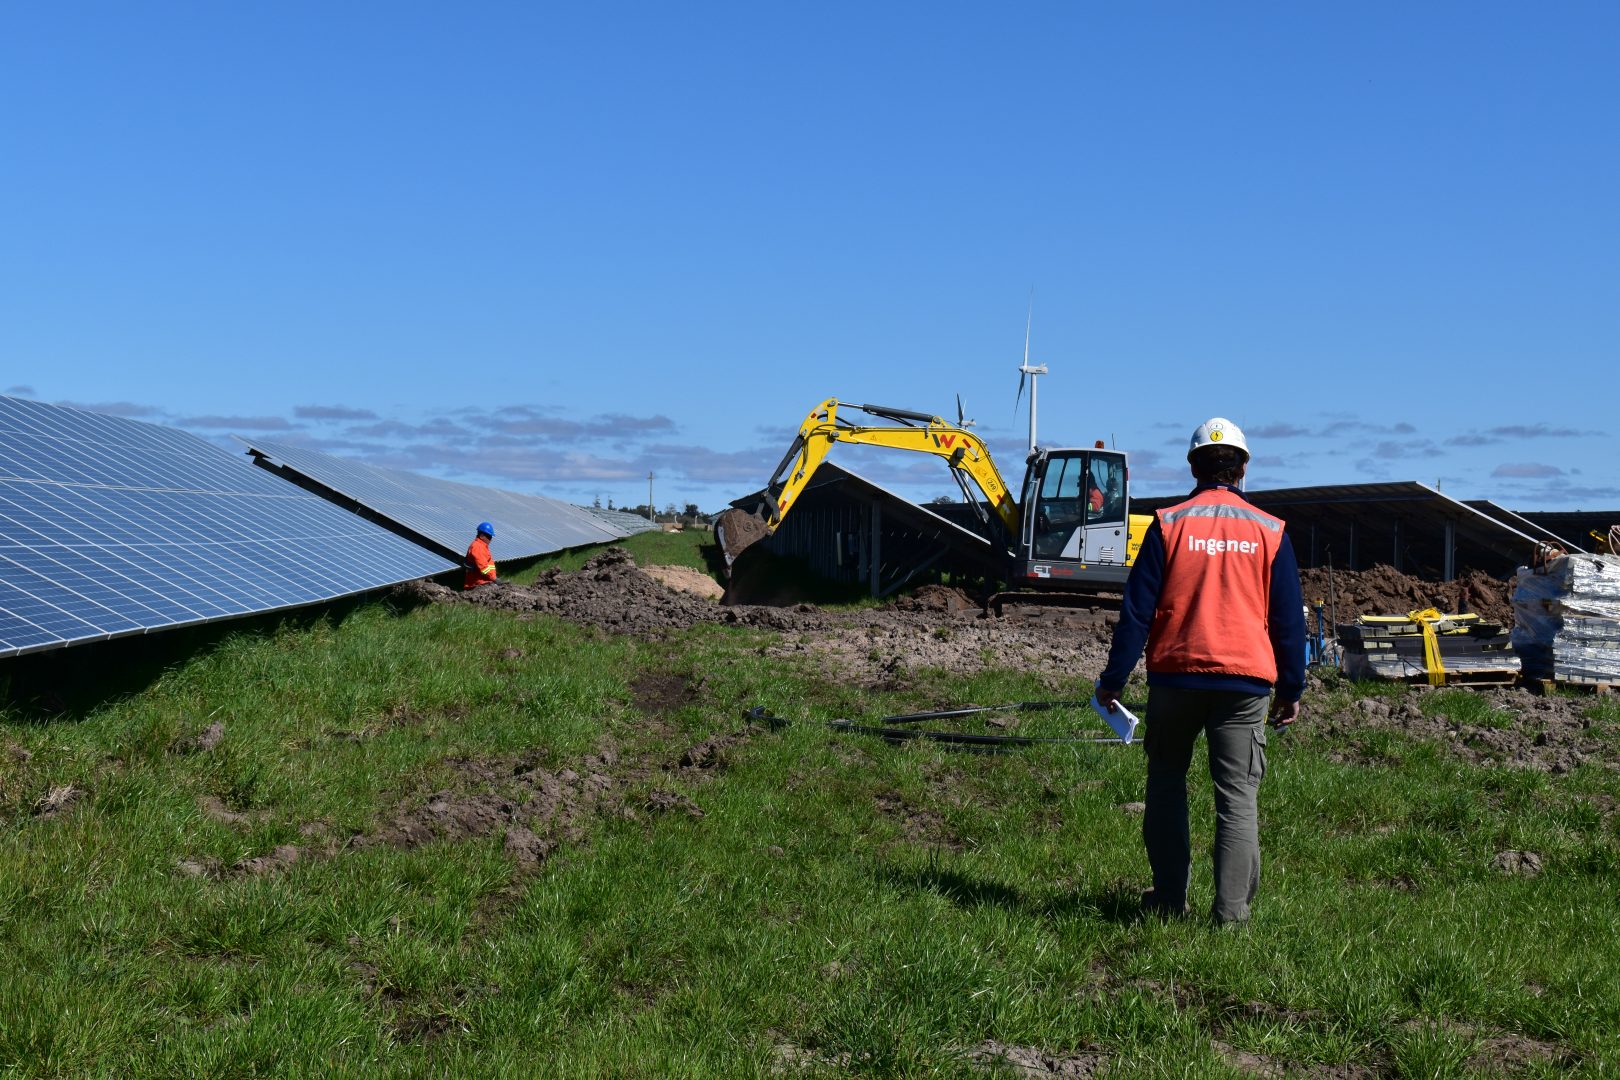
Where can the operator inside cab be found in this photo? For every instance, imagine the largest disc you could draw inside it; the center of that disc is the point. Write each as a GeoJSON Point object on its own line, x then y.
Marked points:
{"type": "Point", "coordinates": [1107, 490]}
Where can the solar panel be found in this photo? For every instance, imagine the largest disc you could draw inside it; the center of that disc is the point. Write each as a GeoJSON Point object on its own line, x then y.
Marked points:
{"type": "Point", "coordinates": [622, 520]}
{"type": "Point", "coordinates": [443, 512]}
{"type": "Point", "coordinates": [111, 526]}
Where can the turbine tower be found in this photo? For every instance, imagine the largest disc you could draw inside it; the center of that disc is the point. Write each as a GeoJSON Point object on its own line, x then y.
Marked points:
{"type": "Point", "coordinates": [1030, 372]}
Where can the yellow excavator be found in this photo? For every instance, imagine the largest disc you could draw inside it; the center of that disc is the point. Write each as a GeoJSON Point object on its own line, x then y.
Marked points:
{"type": "Point", "coordinates": [1070, 531]}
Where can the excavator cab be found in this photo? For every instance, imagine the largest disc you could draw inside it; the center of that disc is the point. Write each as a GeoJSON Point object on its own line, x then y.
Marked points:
{"type": "Point", "coordinates": [1076, 529]}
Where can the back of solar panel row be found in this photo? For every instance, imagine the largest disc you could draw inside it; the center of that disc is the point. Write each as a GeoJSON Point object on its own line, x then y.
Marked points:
{"type": "Point", "coordinates": [110, 526]}
{"type": "Point", "coordinates": [443, 513]}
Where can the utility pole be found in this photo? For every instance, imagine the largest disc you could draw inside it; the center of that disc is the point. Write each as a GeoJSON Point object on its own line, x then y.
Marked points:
{"type": "Point", "coordinates": [652, 515]}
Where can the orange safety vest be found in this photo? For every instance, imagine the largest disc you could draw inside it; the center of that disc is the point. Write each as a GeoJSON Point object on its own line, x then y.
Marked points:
{"type": "Point", "coordinates": [478, 556]}
{"type": "Point", "coordinates": [1214, 604]}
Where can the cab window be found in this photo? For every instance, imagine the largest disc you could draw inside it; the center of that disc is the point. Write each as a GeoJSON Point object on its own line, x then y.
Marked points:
{"type": "Point", "coordinates": [1106, 502]}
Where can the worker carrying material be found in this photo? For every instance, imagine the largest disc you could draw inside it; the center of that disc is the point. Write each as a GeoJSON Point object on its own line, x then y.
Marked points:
{"type": "Point", "coordinates": [1214, 596]}
{"type": "Point", "coordinates": [479, 564]}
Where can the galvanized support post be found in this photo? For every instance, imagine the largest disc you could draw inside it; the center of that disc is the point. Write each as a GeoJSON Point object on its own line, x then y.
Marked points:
{"type": "Point", "coordinates": [1451, 551]}
{"type": "Point", "coordinates": [877, 549]}
{"type": "Point", "coordinates": [1395, 557]}
{"type": "Point", "coordinates": [863, 548]}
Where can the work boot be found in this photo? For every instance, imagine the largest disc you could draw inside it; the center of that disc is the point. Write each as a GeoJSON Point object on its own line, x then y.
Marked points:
{"type": "Point", "coordinates": [1153, 904]}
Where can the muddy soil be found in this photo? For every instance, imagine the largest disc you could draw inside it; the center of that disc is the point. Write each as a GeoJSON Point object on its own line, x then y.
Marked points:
{"type": "Point", "coordinates": [941, 628]}
{"type": "Point", "coordinates": [533, 806]}
{"type": "Point", "coordinates": [1523, 730]}
{"type": "Point", "coordinates": [937, 628]}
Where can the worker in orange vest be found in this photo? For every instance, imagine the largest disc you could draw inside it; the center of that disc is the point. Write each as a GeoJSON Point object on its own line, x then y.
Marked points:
{"type": "Point", "coordinates": [1214, 597]}
{"type": "Point", "coordinates": [480, 565]}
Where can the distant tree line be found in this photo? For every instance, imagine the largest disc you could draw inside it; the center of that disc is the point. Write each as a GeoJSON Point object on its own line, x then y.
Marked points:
{"type": "Point", "coordinates": [688, 514]}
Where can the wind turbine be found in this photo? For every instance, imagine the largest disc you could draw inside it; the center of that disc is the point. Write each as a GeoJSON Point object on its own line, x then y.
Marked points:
{"type": "Point", "coordinates": [961, 417]}
{"type": "Point", "coordinates": [1026, 370]}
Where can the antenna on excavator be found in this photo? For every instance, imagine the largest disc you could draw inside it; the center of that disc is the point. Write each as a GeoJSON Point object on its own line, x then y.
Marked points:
{"type": "Point", "coordinates": [1029, 372]}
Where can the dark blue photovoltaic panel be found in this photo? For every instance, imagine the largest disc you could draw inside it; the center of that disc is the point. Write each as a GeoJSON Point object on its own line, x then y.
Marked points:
{"type": "Point", "coordinates": [111, 526]}
{"type": "Point", "coordinates": [444, 512]}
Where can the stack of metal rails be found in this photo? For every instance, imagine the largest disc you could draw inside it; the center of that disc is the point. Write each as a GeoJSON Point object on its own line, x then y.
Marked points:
{"type": "Point", "coordinates": [1426, 646]}
{"type": "Point", "coordinates": [1566, 615]}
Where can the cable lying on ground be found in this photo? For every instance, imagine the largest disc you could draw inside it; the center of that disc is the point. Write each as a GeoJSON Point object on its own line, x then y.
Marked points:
{"type": "Point", "coordinates": [887, 727]}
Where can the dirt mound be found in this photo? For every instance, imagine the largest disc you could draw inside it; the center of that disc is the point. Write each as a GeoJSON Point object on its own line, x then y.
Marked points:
{"type": "Point", "coordinates": [687, 580]}
{"type": "Point", "coordinates": [1383, 590]}
{"type": "Point", "coordinates": [937, 598]}
{"type": "Point", "coordinates": [940, 629]}
{"type": "Point", "coordinates": [609, 591]}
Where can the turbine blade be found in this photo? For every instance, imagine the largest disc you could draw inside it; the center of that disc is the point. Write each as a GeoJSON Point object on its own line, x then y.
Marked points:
{"type": "Point", "coordinates": [1028, 318]}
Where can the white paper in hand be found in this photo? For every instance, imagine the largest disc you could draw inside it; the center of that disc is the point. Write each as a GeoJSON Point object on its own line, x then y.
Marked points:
{"type": "Point", "coordinates": [1122, 720]}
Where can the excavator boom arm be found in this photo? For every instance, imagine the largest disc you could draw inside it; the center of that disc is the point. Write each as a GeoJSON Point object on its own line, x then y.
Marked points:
{"type": "Point", "coordinates": [963, 451]}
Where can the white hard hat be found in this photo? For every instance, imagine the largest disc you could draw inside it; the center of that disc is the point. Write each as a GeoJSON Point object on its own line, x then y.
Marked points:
{"type": "Point", "coordinates": [1218, 431]}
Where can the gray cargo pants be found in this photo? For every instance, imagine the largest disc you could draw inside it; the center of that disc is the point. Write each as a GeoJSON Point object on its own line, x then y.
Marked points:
{"type": "Point", "coordinates": [1234, 724]}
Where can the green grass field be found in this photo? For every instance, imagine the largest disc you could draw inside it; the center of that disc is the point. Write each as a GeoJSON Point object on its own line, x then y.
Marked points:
{"type": "Point", "coordinates": [692, 547]}
{"type": "Point", "coordinates": [797, 902]}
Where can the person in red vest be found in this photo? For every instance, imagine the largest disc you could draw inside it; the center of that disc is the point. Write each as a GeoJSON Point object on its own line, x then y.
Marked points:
{"type": "Point", "coordinates": [480, 565]}
{"type": "Point", "coordinates": [1214, 597]}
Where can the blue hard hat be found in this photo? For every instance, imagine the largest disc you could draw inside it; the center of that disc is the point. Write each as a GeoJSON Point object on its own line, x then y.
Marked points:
{"type": "Point", "coordinates": [487, 529]}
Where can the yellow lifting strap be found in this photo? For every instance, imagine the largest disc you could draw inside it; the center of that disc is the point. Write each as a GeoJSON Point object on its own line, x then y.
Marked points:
{"type": "Point", "coordinates": [1427, 618]}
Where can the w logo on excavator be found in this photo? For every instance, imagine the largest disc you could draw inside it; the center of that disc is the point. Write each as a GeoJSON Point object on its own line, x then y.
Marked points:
{"type": "Point", "coordinates": [944, 440]}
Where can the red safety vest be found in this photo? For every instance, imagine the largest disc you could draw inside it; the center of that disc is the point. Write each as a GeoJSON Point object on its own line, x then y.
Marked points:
{"type": "Point", "coordinates": [1215, 602]}
{"type": "Point", "coordinates": [478, 555]}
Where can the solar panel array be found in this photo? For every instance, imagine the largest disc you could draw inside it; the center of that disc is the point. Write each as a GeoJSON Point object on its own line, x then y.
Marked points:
{"type": "Point", "coordinates": [444, 512]}
{"type": "Point", "coordinates": [110, 526]}
{"type": "Point", "coordinates": [623, 520]}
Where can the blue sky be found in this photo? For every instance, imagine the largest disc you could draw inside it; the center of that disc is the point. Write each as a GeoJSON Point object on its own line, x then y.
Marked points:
{"type": "Point", "coordinates": [554, 247]}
